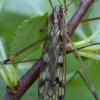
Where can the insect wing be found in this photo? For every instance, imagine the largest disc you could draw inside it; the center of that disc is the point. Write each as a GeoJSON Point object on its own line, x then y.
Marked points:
{"type": "Point", "coordinates": [51, 79]}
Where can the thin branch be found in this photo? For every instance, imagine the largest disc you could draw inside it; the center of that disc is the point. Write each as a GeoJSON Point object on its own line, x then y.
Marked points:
{"type": "Point", "coordinates": [24, 83]}
{"type": "Point", "coordinates": [32, 74]}
{"type": "Point", "coordinates": [84, 6]}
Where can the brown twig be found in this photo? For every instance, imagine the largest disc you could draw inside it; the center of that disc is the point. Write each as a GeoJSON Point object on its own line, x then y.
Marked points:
{"type": "Point", "coordinates": [84, 6]}
{"type": "Point", "coordinates": [32, 74]}
{"type": "Point", "coordinates": [24, 83]}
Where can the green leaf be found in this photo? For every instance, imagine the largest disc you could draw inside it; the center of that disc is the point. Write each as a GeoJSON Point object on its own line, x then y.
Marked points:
{"type": "Point", "coordinates": [28, 33]}
{"type": "Point", "coordinates": [7, 72]}
{"type": "Point", "coordinates": [92, 51]}
{"type": "Point", "coordinates": [92, 55]}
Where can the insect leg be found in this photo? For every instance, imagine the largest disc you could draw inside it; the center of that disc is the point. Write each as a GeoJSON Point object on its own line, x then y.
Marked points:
{"type": "Point", "coordinates": [64, 6]}
{"type": "Point", "coordinates": [51, 4]}
{"type": "Point", "coordinates": [85, 71]}
{"type": "Point", "coordinates": [23, 61]}
{"type": "Point", "coordinates": [21, 51]}
{"type": "Point", "coordinates": [87, 20]}
{"type": "Point", "coordinates": [79, 73]}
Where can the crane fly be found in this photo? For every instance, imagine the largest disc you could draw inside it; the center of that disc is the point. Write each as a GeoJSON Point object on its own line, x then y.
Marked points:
{"type": "Point", "coordinates": [52, 79]}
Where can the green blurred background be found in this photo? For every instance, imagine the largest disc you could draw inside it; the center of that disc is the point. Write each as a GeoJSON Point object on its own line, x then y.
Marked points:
{"type": "Point", "coordinates": [14, 12]}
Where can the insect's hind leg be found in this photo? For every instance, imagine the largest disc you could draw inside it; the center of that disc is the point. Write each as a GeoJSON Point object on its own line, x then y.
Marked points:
{"type": "Point", "coordinates": [79, 73]}
{"type": "Point", "coordinates": [89, 83]}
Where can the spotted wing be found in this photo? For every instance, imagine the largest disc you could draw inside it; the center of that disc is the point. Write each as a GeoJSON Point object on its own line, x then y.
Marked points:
{"type": "Point", "coordinates": [51, 82]}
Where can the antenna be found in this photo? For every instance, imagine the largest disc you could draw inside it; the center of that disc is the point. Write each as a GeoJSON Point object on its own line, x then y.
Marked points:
{"type": "Point", "coordinates": [60, 2]}
{"type": "Point", "coordinates": [70, 3]}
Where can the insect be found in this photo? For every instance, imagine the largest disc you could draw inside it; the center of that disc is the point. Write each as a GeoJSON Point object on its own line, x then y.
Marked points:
{"type": "Point", "coordinates": [52, 73]}
{"type": "Point", "coordinates": [55, 80]}
{"type": "Point", "coordinates": [52, 78]}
